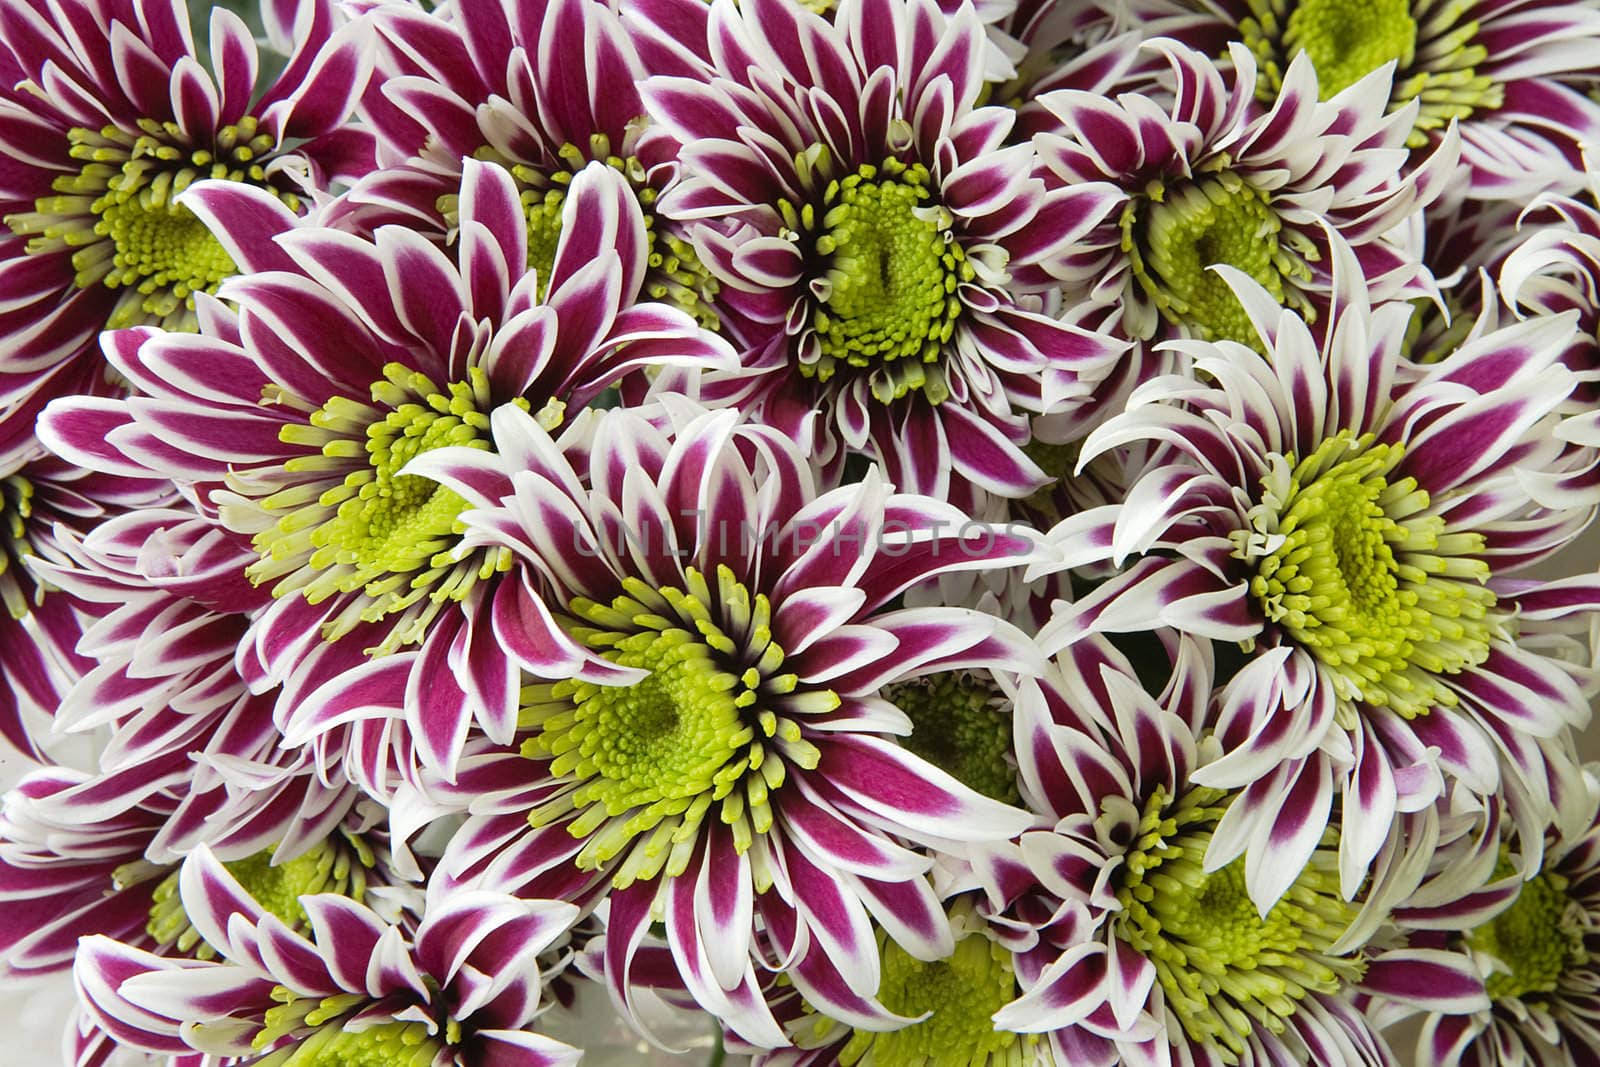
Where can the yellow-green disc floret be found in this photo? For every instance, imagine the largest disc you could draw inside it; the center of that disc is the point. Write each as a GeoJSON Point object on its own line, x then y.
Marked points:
{"type": "Point", "coordinates": [1433, 44]}
{"type": "Point", "coordinates": [1223, 968]}
{"type": "Point", "coordinates": [960, 724]}
{"type": "Point", "coordinates": [1356, 570]}
{"type": "Point", "coordinates": [1174, 241]}
{"type": "Point", "coordinates": [698, 736]}
{"type": "Point", "coordinates": [962, 991]}
{"type": "Point", "coordinates": [338, 866]}
{"type": "Point", "coordinates": [1533, 942]}
{"type": "Point", "coordinates": [884, 289]}
{"type": "Point", "coordinates": [118, 217]}
{"type": "Point", "coordinates": [387, 535]}
{"type": "Point", "coordinates": [381, 1044]}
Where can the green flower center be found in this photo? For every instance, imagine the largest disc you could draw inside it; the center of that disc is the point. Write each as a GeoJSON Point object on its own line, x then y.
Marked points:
{"type": "Point", "coordinates": [329, 867]}
{"type": "Point", "coordinates": [352, 522]}
{"type": "Point", "coordinates": [117, 215]}
{"type": "Point", "coordinates": [962, 991]}
{"type": "Point", "coordinates": [1353, 569]}
{"type": "Point", "coordinates": [1224, 969]}
{"type": "Point", "coordinates": [709, 725]}
{"type": "Point", "coordinates": [16, 508]}
{"type": "Point", "coordinates": [674, 272]}
{"type": "Point", "coordinates": [884, 296]}
{"type": "Point", "coordinates": [385, 1044]}
{"type": "Point", "coordinates": [1347, 41]}
{"type": "Point", "coordinates": [961, 725]}
{"type": "Point", "coordinates": [1173, 242]}
{"type": "Point", "coordinates": [1535, 941]}
{"type": "Point", "coordinates": [1434, 46]}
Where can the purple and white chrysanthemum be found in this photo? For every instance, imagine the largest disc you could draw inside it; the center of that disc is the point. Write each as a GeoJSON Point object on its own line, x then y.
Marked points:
{"type": "Point", "coordinates": [706, 650]}
{"type": "Point", "coordinates": [540, 87]}
{"type": "Point", "coordinates": [1211, 178]}
{"type": "Point", "coordinates": [1318, 507]}
{"type": "Point", "coordinates": [346, 358]}
{"type": "Point", "coordinates": [44, 500]}
{"type": "Point", "coordinates": [863, 212]}
{"type": "Point", "coordinates": [1534, 941]}
{"type": "Point", "coordinates": [1512, 74]}
{"type": "Point", "coordinates": [106, 114]}
{"type": "Point", "coordinates": [1131, 947]}
{"type": "Point", "coordinates": [460, 989]}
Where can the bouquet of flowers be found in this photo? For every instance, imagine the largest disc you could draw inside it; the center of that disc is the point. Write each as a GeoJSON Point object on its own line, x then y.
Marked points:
{"type": "Point", "coordinates": [891, 532]}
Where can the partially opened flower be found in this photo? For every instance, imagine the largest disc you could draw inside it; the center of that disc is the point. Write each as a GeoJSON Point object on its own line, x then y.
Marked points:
{"type": "Point", "coordinates": [348, 358]}
{"type": "Point", "coordinates": [539, 87]}
{"type": "Point", "coordinates": [855, 202]}
{"type": "Point", "coordinates": [706, 650]}
{"type": "Point", "coordinates": [1210, 178]}
{"type": "Point", "coordinates": [1512, 75]}
{"type": "Point", "coordinates": [463, 989]}
{"type": "Point", "coordinates": [1318, 507]}
{"type": "Point", "coordinates": [106, 115]}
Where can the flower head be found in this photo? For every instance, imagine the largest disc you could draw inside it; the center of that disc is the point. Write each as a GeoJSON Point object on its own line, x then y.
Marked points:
{"type": "Point", "coordinates": [328, 394]}
{"type": "Point", "coordinates": [705, 645]}
{"type": "Point", "coordinates": [884, 244]}
{"type": "Point", "coordinates": [110, 115]}
{"type": "Point", "coordinates": [1311, 511]}
{"type": "Point", "coordinates": [463, 988]}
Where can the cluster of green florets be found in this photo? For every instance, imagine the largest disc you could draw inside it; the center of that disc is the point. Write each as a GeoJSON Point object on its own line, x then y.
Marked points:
{"type": "Point", "coordinates": [648, 762]}
{"type": "Point", "coordinates": [16, 508]}
{"type": "Point", "coordinates": [1173, 241]}
{"type": "Point", "coordinates": [118, 214]}
{"type": "Point", "coordinates": [960, 723]}
{"type": "Point", "coordinates": [1533, 943]}
{"type": "Point", "coordinates": [1433, 44]}
{"type": "Point", "coordinates": [377, 531]}
{"type": "Point", "coordinates": [884, 291]}
{"type": "Point", "coordinates": [674, 275]}
{"type": "Point", "coordinates": [1356, 569]}
{"type": "Point", "coordinates": [1223, 967]}
{"type": "Point", "coordinates": [338, 865]}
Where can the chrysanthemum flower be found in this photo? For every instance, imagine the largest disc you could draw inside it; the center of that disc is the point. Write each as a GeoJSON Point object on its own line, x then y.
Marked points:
{"type": "Point", "coordinates": [463, 989]}
{"type": "Point", "coordinates": [1511, 73]}
{"type": "Point", "coordinates": [1319, 507]}
{"type": "Point", "coordinates": [42, 500]}
{"type": "Point", "coordinates": [710, 649]}
{"type": "Point", "coordinates": [1212, 179]}
{"type": "Point", "coordinates": [540, 88]}
{"type": "Point", "coordinates": [1536, 951]}
{"type": "Point", "coordinates": [106, 115]}
{"type": "Point", "coordinates": [857, 204]}
{"type": "Point", "coordinates": [1131, 947]}
{"type": "Point", "coordinates": [346, 359]}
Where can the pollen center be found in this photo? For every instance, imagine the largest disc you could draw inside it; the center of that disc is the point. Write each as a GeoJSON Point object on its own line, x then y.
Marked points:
{"type": "Point", "coordinates": [1225, 969]}
{"type": "Point", "coordinates": [385, 1044]}
{"type": "Point", "coordinates": [885, 297]}
{"type": "Point", "coordinates": [1174, 242]}
{"type": "Point", "coordinates": [351, 522]}
{"type": "Point", "coordinates": [1348, 40]}
{"type": "Point", "coordinates": [644, 763]}
{"type": "Point", "coordinates": [1355, 569]}
{"type": "Point", "coordinates": [960, 725]}
{"type": "Point", "coordinates": [118, 218]}
{"type": "Point", "coordinates": [1534, 941]}
{"type": "Point", "coordinates": [338, 866]}
{"type": "Point", "coordinates": [962, 991]}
